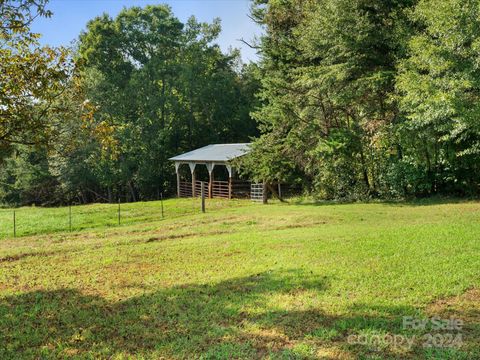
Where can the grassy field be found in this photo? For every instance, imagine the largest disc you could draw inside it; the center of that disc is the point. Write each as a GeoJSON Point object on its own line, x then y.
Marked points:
{"type": "Point", "coordinates": [34, 220]}
{"type": "Point", "coordinates": [280, 281]}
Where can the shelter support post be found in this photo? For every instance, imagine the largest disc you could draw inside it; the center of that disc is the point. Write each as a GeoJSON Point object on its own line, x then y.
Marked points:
{"type": "Point", "coordinates": [177, 166]}
{"type": "Point", "coordinates": [210, 167]}
{"type": "Point", "coordinates": [210, 186]}
{"type": "Point", "coordinates": [192, 170]}
{"type": "Point", "coordinates": [230, 175]}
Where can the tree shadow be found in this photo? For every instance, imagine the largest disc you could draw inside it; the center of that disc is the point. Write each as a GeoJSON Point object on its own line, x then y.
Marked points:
{"type": "Point", "coordinates": [175, 321]}
{"type": "Point", "coordinates": [421, 201]}
{"type": "Point", "coordinates": [229, 319]}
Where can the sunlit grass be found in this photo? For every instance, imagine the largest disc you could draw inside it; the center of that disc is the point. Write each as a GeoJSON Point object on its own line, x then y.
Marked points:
{"type": "Point", "coordinates": [37, 220]}
{"type": "Point", "coordinates": [241, 281]}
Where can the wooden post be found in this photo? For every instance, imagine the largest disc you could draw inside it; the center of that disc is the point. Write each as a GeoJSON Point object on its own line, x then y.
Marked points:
{"type": "Point", "coordinates": [192, 170]}
{"type": "Point", "coordinates": [210, 184]}
{"type": "Point", "coordinates": [14, 225]}
{"type": "Point", "coordinates": [70, 217]}
{"type": "Point", "coordinates": [202, 192]}
{"type": "Point", "coordinates": [279, 190]}
{"type": "Point", "coordinates": [193, 183]}
{"type": "Point", "coordinates": [178, 183]}
{"type": "Point", "coordinates": [211, 179]}
{"type": "Point", "coordinates": [230, 177]}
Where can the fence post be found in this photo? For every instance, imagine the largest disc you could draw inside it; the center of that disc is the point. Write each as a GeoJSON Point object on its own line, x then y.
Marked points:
{"type": "Point", "coordinates": [70, 217]}
{"type": "Point", "coordinates": [161, 202]}
{"type": "Point", "coordinates": [202, 192]}
{"type": "Point", "coordinates": [118, 211]}
{"type": "Point", "coordinates": [14, 225]}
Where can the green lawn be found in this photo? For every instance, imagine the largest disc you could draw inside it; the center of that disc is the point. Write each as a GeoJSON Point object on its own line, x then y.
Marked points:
{"type": "Point", "coordinates": [241, 281]}
{"type": "Point", "coordinates": [34, 220]}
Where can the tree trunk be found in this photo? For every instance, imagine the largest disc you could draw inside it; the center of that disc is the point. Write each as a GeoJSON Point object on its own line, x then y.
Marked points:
{"type": "Point", "coordinates": [364, 170]}
{"type": "Point", "coordinates": [132, 191]}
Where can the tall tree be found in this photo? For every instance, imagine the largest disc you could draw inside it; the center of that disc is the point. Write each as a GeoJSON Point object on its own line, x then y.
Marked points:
{"type": "Point", "coordinates": [439, 92]}
{"type": "Point", "coordinates": [329, 75]}
{"type": "Point", "coordinates": [166, 88]}
{"type": "Point", "coordinates": [31, 77]}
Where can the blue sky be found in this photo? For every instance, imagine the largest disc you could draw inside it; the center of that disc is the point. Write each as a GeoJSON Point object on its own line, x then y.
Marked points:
{"type": "Point", "coordinates": [71, 16]}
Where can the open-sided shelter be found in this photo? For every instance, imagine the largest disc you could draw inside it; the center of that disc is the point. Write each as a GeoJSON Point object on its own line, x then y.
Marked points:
{"type": "Point", "coordinates": [212, 156]}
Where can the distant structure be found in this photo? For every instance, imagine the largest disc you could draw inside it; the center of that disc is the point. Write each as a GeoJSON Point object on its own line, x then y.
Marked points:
{"type": "Point", "coordinates": [213, 157]}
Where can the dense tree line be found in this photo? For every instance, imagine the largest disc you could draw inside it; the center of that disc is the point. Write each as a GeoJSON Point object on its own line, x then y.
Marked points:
{"type": "Point", "coordinates": [369, 98]}
{"type": "Point", "coordinates": [149, 87]}
{"type": "Point", "coordinates": [352, 99]}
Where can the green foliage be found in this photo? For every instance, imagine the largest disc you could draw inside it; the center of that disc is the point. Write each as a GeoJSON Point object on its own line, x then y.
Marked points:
{"type": "Point", "coordinates": [31, 78]}
{"type": "Point", "coordinates": [438, 91]}
{"type": "Point", "coordinates": [145, 87]}
{"type": "Point", "coordinates": [328, 72]}
{"type": "Point", "coordinates": [370, 98]}
{"type": "Point", "coordinates": [164, 88]}
{"type": "Point", "coordinates": [354, 99]}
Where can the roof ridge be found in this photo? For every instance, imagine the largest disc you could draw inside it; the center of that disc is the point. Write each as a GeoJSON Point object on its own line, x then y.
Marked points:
{"type": "Point", "coordinates": [213, 152]}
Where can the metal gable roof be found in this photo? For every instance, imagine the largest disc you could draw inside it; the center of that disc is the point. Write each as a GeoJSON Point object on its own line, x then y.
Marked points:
{"type": "Point", "coordinates": [215, 152]}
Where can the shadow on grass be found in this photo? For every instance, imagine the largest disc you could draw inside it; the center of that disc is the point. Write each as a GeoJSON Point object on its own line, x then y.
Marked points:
{"type": "Point", "coordinates": [426, 201]}
{"type": "Point", "coordinates": [230, 319]}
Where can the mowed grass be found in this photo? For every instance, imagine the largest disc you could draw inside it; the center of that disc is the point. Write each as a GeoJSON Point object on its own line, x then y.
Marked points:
{"type": "Point", "coordinates": [38, 220]}
{"type": "Point", "coordinates": [286, 281]}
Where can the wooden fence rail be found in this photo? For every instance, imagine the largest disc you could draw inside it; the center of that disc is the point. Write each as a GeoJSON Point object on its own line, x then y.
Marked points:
{"type": "Point", "coordinates": [221, 189]}
{"type": "Point", "coordinates": [185, 188]}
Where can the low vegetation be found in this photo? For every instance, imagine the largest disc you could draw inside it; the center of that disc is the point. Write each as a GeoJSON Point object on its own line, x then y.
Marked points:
{"type": "Point", "coordinates": [37, 220]}
{"type": "Point", "coordinates": [298, 280]}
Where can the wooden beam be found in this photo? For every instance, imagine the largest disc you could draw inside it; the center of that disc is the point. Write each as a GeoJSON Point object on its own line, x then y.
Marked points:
{"type": "Point", "coordinates": [210, 167]}
{"type": "Point", "coordinates": [229, 187]}
{"type": "Point", "coordinates": [193, 184]}
{"type": "Point", "coordinates": [230, 175]}
{"type": "Point", "coordinates": [210, 184]}
{"type": "Point", "coordinates": [177, 171]}
{"type": "Point", "coordinates": [178, 184]}
{"type": "Point", "coordinates": [192, 170]}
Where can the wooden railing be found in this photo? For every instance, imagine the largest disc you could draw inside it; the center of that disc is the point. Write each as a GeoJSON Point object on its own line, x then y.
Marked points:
{"type": "Point", "coordinates": [220, 189]}
{"type": "Point", "coordinates": [198, 188]}
{"type": "Point", "coordinates": [185, 188]}
{"type": "Point", "coordinates": [241, 189]}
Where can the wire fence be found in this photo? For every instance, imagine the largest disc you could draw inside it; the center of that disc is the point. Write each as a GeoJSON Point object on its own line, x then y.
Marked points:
{"type": "Point", "coordinates": [27, 221]}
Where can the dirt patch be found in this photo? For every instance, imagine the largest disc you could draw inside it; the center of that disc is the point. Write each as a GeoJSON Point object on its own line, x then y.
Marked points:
{"type": "Point", "coordinates": [17, 257]}
{"type": "Point", "coordinates": [169, 237]}
{"type": "Point", "coordinates": [301, 225]}
{"type": "Point", "coordinates": [65, 252]}
{"type": "Point", "coordinates": [465, 306]}
{"type": "Point", "coordinates": [186, 235]}
{"type": "Point", "coordinates": [233, 253]}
